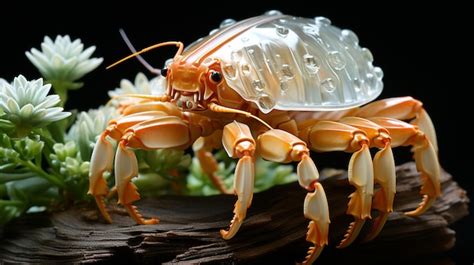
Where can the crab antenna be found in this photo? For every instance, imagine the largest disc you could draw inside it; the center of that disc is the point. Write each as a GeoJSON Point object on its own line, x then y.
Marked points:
{"type": "Point", "coordinates": [148, 66]}
{"type": "Point", "coordinates": [168, 43]}
{"type": "Point", "coordinates": [162, 98]}
{"type": "Point", "coordinates": [218, 108]}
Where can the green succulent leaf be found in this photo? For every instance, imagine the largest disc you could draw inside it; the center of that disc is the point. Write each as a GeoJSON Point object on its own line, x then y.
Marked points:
{"type": "Point", "coordinates": [28, 148]}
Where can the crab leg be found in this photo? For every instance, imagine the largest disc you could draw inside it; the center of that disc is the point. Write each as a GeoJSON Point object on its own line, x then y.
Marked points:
{"type": "Point", "coordinates": [101, 161]}
{"type": "Point", "coordinates": [402, 108]}
{"type": "Point", "coordinates": [426, 159]}
{"type": "Point", "coordinates": [102, 156]}
{"type": "Point", "coordinates": [173, 133]}
{"type": "Point", "coordinates": [203, 147]}
{"type": "Point", "coordinates": [384, 171]}
{"type": "Point", "coordinates": [238, 143]}
{"type": "Point", "coordinates": [283, 147]}
{"type": "Point", "coordinates": [326, 136]}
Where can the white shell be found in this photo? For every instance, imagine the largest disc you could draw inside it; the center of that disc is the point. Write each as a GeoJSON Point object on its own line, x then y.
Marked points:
{"type": "Point", "coordinates": [295, 63]}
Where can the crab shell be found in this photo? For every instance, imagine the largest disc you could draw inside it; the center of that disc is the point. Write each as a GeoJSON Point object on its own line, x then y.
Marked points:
{"type": "Point", "coordinates": [292, 63]}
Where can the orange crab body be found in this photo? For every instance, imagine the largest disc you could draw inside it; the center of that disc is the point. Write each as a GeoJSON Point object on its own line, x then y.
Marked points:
{"type": "Point", "coordinates": [278, 87]}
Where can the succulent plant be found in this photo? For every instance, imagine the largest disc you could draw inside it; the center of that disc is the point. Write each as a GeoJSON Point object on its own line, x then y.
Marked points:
{"type": "Point", "coordinates": [67, 160]}
{"type": "Point", "coordinates": [141, 85]}
{"type": "Point", "coordinates": [63, 62]}
{"type": "Point", "coordinates": [27, 105]}
{"type": "Point", "coordinates": [88, 126]}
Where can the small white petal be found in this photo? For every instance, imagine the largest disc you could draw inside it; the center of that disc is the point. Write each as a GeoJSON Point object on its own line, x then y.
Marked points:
{"type": "Point", "coordinates": [127, 86]}
{"type": "Point", "coordinates": [3, 104]}
{"type": "Point", "coordinates": [3, 82]}
{"type": "Point", "coordinates": [7, 92]}
{"type": "Point", "coordinates": [55, 116]}
{"type": "Point", "coordinates": [158, 85]}
{"type": "Point", "coordinates": [49, 101]}
{"type": "Point", "coordinates": [69, 66]}
{"type": "Point", "coordinates": [42, 59]}
{"type": "Point", "coordinates": [85, 67]}
{"type": "Point", "coordinates": [47, 50]}
{"type": "Point", "coordinates": [57, 61]}
{"type": "Point", "coordinates": [40, 114]}
{"type": "Point", "coordinates": [26, 111]}
{"type": "Point", "coordinates": [67, 39]}
{"type": "Point", "coordinates": [45, 88]}
{"type": "Point", "coordinates": [86, 53]}
{"type": "Point", "coordinates": [12, 106]}
{"type": "Point", "coordinates": [43, 70]}
{"type": "Point", "coordinates": [19, 81]}
{"type": "Point", "coordinates": [141, 83]}
{"type": "Point", "coordinates": [48, 41]}
{"type": "Point", "coordinates": [40, 99]}
{"type": "Point", "coordinates": [75, 48]}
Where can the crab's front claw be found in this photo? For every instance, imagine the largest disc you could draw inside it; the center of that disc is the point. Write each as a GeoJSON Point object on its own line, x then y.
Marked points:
{"type": "Point", "coordinates": [316, 209]}
{"type": "Point", "coordinates": [428, 166]}
{"type": "Point", "coordinates": [101, 161]}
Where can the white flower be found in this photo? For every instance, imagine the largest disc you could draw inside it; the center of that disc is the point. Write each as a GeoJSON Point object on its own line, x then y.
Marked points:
{"type": "Point", "coordinates": [88, 126]}
{"type": "Point", "coordinates": [155, 86]}
{"type": "Point", "coordinates": [63, 59]}
{"type": "Point", "coordinates": [27, 104]}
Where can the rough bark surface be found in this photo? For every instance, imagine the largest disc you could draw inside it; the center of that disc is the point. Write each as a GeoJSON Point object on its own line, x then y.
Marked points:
{"type": "Point", "coordinates": [274, 230]}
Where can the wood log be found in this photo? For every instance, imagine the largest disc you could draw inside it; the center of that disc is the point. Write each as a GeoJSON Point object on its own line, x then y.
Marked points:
{"type": "Point", "coordinates": [274, 230]}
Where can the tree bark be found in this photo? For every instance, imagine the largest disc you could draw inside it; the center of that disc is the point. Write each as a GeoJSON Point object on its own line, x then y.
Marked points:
{"type": "Point", "coordinates": [274, 230]}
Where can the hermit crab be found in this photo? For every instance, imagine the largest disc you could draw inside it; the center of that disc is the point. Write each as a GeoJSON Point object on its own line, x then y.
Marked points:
{"type": "Point", "coordinates": [278, 87]}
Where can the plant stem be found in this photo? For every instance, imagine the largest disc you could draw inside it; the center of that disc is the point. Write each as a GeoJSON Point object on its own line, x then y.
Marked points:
{"type": "Point", "coordinates": [11, 203]}
{"type": "Point", "coordinates": [41, 173]}
{"type": "Point", "coordinates": [6, 177]}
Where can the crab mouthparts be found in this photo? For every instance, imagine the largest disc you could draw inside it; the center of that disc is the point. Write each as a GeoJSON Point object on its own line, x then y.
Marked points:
{"type": "Point", "coordinates": [186, 100]}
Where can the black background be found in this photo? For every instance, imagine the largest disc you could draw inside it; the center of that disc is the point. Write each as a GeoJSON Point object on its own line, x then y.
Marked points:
{"type": "Point", "coordinates": [422, 51]}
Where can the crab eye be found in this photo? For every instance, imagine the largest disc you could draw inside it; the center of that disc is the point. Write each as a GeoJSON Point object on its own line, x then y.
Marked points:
{"type": "Point", "coordinates": [164, 72]}
{"type": "Point", "coordinates": [215, 76]}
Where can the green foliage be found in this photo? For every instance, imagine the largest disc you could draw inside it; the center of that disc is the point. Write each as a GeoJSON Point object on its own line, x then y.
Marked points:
{"type": "Point", "coordinates": [162, 172]}
{"type": "Point", "coordinates": [68, 162]}
{"type": "Point", "coordinates": [267, 175]}
{"type": "Point", "coordinates": [23, 182]}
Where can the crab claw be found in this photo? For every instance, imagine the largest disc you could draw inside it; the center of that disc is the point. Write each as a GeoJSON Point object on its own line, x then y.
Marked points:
{"type": "Point", "coordinates": [316, 209]}
{"type": "Point", "coordinates": [101, 161]}
{"type": "Point", "coordinates": [126, 167]}
{"type": "Point", "coordinates": [238, 143]}
{"type": "Point", "coordinates": [425, 155]}
{"type": "Point", "coordinates": [361, 175]}
{"type": "Point", "coordinates": [384, 173]}
{"type": "Point", "coordinates": [243, 186]}
{"type": "Point", "coordinates": [424, 123]}
{"type": "Point", "coordinates": [428, 166]}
